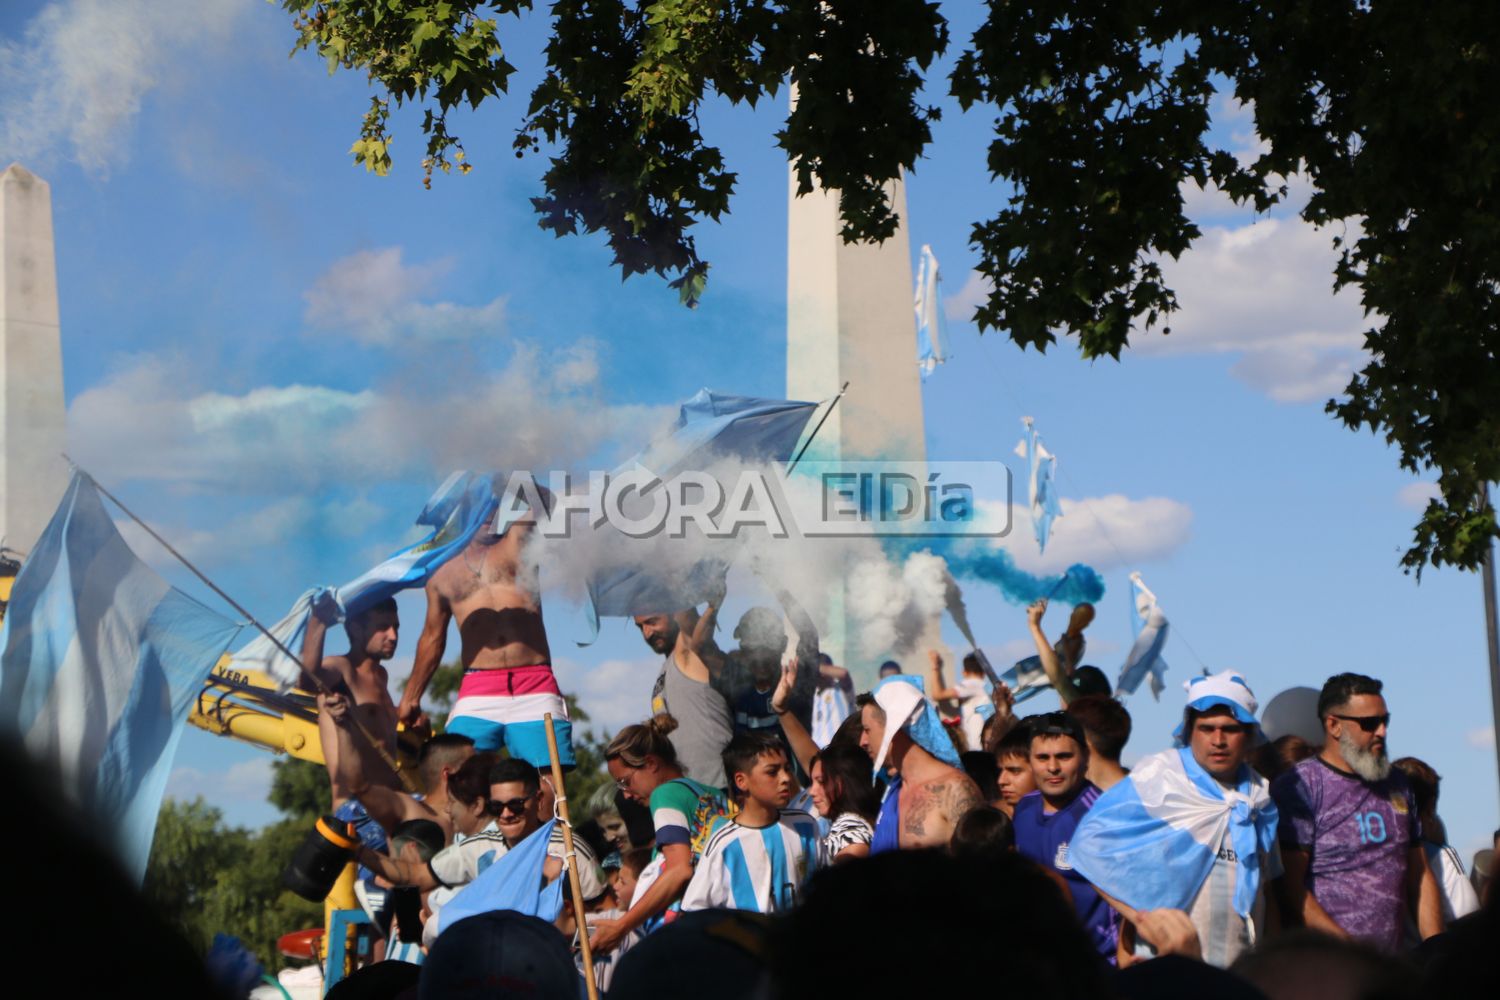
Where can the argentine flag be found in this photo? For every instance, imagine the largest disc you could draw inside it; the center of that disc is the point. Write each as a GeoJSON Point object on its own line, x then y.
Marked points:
{"type": "Point", "coordinates": [1151, 840]}
{"type": "Point", "coordinates": [1041, 492]}
{"type": "Point", "coordinates": [100, 660]}
{"type": "Point", "coordinates": [1150, 627]}
{"type": "Point", "coordinates": [512, 883]}
{"type": "Point", "coordinates": [932, 345]}
{"type": "Point", "coordinates": [455, 513]}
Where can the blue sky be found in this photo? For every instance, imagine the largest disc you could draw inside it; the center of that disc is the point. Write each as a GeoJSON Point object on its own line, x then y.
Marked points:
{"type": "Point", "coordinates": [275, 356]}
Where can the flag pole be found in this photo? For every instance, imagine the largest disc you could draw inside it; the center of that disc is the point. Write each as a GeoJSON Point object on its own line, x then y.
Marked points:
{"type": "Point", "coordinates": [798, 457]}
{"type": "Point", "coordinates": [322, 688]}
{"type": "Point", "coordinates": [575, 882]}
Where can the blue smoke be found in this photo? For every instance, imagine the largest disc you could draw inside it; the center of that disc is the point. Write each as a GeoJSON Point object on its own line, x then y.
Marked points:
{"type": "Point", "coordinates": [971, 560]}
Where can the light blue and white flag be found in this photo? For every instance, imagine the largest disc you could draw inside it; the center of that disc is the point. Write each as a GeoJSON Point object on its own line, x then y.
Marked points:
{"type": "Point", "coordinates": [1152, 839]}
{"type": "Point", "coordinates": [1027, 678]}
{"type": "Point", "coordinates": [932, 343]}
{"type": "Point", "coordinates": [512, 883]}
{"type": "Point", "coordinates": [1041, 491]}
{"type": "Point", "coordinates": [1150, 627]}
{"type": "Point", "coordinates": [100, 660]}
{"type": "Point", "coordinates": [463, 505]}
{"type": "Point", "coordinates": [712, 429]}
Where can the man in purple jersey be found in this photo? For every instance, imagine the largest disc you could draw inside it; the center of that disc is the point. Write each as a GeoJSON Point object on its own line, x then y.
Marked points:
{"type": "Point", "coordinates": [1045, 819]}
{"type": "Point", "coordinates": [1349, 835]}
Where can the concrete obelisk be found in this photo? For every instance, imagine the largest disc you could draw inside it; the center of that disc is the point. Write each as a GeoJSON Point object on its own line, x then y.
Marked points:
{"type": "Point", "coordinates": [850, 318]}
{"type": "Point", "coordinates": [33, 474]}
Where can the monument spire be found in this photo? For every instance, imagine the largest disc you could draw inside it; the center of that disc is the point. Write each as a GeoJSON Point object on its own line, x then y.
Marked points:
{"type": "Point", "coordinates": [850, 319]}
{"type": "Point", "coordinates": [33, 474]}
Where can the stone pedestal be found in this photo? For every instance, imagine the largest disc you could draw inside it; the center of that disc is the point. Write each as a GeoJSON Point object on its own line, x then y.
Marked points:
{"type": "Point", "coordinates": [33, 474]}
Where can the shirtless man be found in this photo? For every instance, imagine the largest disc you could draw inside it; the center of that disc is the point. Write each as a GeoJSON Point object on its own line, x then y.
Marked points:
{"type": "Point", "coordinates": [361, 675]}
{"type": "Point", "coordinates": [930, 794]}
{"type": "Point", "coordinates": [439, 758]}
{"type": "Point", "coordinates": [508, 682]}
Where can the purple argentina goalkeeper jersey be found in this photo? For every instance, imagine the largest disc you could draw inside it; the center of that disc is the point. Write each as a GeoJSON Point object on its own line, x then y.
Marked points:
{"type": "Point", "coordinates": [1357, 835]}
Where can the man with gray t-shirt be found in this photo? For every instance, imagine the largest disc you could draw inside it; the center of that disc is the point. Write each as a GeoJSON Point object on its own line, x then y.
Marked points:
{"type": "Point", "coordinates": [685, 690]}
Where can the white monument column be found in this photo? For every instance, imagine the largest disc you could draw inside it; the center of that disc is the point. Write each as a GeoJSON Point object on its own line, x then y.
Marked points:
{"type": "Point", "coordinates": [33, 474]}
{"type": "Point", "coordinates": [850, 318]}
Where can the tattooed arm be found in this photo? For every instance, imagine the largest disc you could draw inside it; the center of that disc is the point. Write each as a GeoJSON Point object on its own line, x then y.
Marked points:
{"type": "Point", "coordinates": [934, 808]}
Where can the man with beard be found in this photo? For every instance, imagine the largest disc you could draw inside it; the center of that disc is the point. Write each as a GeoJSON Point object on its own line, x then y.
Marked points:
{"type": "Point", "coordinates": [713, 694]}
{"type": "Point", "coordinates": [1349, 833]}
{"type": "Point", "coordinates": [686, 689]}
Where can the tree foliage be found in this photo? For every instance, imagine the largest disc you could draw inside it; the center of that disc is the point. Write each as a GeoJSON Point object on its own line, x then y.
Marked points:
{"type": "Point", "coordinates": [1101, 115]}
{"type": "Point", "coordinates": [206, 878]}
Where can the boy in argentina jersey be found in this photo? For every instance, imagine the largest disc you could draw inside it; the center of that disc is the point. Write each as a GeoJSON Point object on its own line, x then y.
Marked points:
{"type": "Point", "coordinates": [759, 859]}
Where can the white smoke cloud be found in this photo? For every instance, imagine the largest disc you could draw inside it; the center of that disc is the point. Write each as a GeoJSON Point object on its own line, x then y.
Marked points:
{"type": "Point", "coordinates": [76, 79]}
{"type": "Point", "coordinates": [373, 297]}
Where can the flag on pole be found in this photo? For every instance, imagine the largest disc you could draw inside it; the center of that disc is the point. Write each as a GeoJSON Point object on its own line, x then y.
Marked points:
{"type": "Point", "coordinates": [100, 660]}
{"type": "Point", "coordinates": [932, 344]}
{"type": "Point", "coordinates": [712, 429]}
{"type": "Point", "coordinates": [1041, 492]}
{"type": "Point", "coordinates": [512, 883]}
{"type": "Point", "coordinates": [1150, 627]}
{"type": "Point", "coordinates": [1027, 678]}
{"type": "Point", "coordinates": [455, 513]}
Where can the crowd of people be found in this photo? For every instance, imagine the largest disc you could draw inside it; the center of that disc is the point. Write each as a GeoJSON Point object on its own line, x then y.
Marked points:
{"type": "Point", "coordinates": [775, 831]}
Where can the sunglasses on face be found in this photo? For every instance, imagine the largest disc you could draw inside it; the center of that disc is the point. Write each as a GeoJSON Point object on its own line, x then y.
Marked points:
{"type": "Point", "coordinates": [513, 806]}
{"type": "Point", "coordinates": [1368, 723]}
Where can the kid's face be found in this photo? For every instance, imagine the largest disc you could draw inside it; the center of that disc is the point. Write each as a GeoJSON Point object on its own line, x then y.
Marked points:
{"type": "Point", "coordinates": [768, 782]}
{"type": "Point", "coordinates": [1016, 778]}
{"type": "Point", "coordinates": [468, 817]}
{"type": "Point", "coordinates": [622, 881]}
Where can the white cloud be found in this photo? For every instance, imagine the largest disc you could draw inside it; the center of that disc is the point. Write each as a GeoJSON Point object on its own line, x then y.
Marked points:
{"type": "Point", "coordinates": [1482, 738]}
{"type": "Point", "coordinates": [959, 307]}
{"type": "Point", "coordinates": [259, 531]}
{"type": "Point", "coordinates": [77, 77]}
{"type": "Point", "coordinates": [615, 693]}
{"type": "Point", "coordinates": [372, 296]}
{"type": "Point", "coordinates": [1264, 291]}
{"type": "Point", "coordinates": [249, 779]}
{"type": "Point", "coordinates": [1107, 532]}
{"type": "Point", "coordinates": [1261, 289]}
{"type": "Point", "coordinates": [1414, 496]}
{"type": "Point", "coordinates": [156, 420]}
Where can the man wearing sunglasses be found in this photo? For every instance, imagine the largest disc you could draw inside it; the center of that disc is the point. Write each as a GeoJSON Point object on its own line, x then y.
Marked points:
{"type": "Point", "coordinates": [1349, 833]}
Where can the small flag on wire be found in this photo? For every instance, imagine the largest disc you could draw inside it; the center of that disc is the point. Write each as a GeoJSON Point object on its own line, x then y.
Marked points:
{"type": "Point", "coordinates": [932, 343]}
{"type": "Point", "coordinates": [1041, 491]}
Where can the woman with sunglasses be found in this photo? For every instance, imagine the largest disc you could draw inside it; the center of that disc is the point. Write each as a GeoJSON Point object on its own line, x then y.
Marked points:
{"type": "Point", "coordinates": [644, 765]}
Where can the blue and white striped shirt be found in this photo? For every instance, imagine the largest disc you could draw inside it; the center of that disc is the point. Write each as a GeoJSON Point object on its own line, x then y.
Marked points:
{"type": "Point", "coordinates": [761, 869]}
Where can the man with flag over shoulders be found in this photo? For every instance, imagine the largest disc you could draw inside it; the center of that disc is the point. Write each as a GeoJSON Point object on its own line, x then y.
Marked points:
{"type": "Point", "coordinates": [1355, 866]}
{"type": "Point", "coordinates": [1190, 831]}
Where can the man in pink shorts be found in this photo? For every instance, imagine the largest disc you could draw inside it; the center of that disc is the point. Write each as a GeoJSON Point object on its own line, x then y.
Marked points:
{"type": "Point", "coordinates": [508, 683]}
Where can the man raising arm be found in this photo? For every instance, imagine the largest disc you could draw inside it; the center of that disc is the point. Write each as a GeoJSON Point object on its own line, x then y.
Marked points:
{"type": "Point", "coordinates": [492, 592]}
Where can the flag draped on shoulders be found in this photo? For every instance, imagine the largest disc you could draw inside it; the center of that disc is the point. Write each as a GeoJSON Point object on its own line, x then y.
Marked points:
{"type": "Point", "coordinates": [512, 883]}
{"type": "Point", "coordinates": [455, 514]}
{"type": "Point", "coordinates": [1151, 627]}
{"type": "Point", "coordinates": [1152, 839]}
{"type": "Point", "coordinates": [100, 660]}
